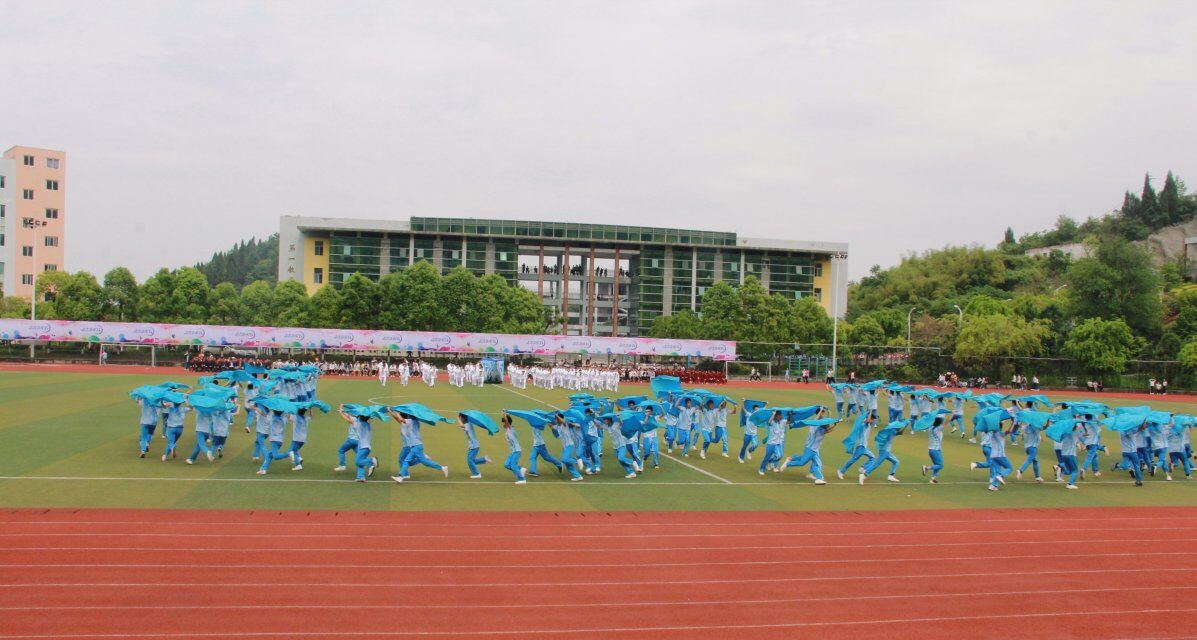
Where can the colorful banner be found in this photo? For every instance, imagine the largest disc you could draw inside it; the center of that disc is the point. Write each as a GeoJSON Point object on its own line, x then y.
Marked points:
{"type": "Point", "coordinates": [353, 339]}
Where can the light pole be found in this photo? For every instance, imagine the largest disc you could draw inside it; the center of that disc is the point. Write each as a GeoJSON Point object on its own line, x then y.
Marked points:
{"type": "Point", "coordinates": [960, 321]}
{"type": "Point", "coordinates": [836, 258]}
{"type": "Point", "coordinates": [908, 314]}
{"type": "Point", "coordinates": [34, 224]}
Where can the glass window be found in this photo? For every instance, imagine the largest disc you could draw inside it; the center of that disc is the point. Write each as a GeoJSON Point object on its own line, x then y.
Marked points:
{"type": "Point", "coordinates": [3, 210]}
{"type": "Point", "coordinates": [28, 161]}
{"type": "Point", "coordinates": [52, 185]}
{"type": "Point", "coordinates": [26, 278]}
{"type": "Point", "coordinates": [318, 247]}
{"type": "Point", "coordinates": [51, 241]}
{"type": "Point", "coordinates": [2, 181]}
{"type": "Point", "coordinates": [51, 267]}
{"type": "Point", "coordinates": [52, 163]}
{"type": "Point", "coordinates": [27, 251]}
{"type": "Point", "coordinates": [27, 194]}
{"type": "Point", "coordinates": [318, 275]}
{"type": "Point", "coordinates": [52, 214]}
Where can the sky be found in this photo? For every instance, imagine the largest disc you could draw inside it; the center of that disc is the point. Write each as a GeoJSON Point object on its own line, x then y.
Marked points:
{"type": "Point", "coordinates": [894, 126]}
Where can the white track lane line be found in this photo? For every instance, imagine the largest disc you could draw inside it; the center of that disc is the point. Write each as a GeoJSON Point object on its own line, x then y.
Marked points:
{"type": "Point", "coordinates": [584, 604]}
{"type": "Point", "coordinates": [602, 630]}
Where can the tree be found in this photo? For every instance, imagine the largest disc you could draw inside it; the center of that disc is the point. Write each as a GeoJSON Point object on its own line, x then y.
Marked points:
{"type": "Point", "coordinates": [983, 340]}
{"type": "Point", "coordinates": [120, 295]}
{"type": "Point", "coordinates": [189, 299]}
{"type": "Point", "coordinates": [49, 284]}
{"type": "Point", "coordinates": [80, 298]}
{"type": "Point", "coordinates": [1168, 346]}
{"type": "Point", "coordinates": [457, 290]}
{"type": "Point", "coordinates": [722, 316]}
{"type": "Point", "coordinates": [359, 303]}
{"type": "Point", "coordinates": [866, 332]}
{"type": "Point", "coordinates": [1102, 346]}
{"type": "Point", "coordinates": [1188, 356]}
{"type": "Point", "coordinates": [684, 325]}
{"type": "Point", "coordinates": [226, 307]}
{"type": "Point", "coordinates": [290, 304]}
{"type": "Point", "coordinates": [324, 308]}
{"type": "Point", "coordinates": [258, 299]}
{"type": "Point", "coordinates": [1009, 239]}
{"type": "Point", "coordinates": [812, 324]}
{"type": "Point", "coordinates": [14, 307]}
{"type": "Point", "coordinates": [522, 311]}
{"type": "Point", "coordinates": [415, 305]}
{"type": "Point", "coordinates": [1119, 281]}
{"type": "Point", "coordinates": [154, 298]}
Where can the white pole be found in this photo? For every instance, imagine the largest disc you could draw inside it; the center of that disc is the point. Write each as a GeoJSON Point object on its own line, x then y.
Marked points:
{"type": "Point", "coordinates": [908, 314]}
{"type": "Point", "coordinates": [32, 223]}
{"type": "Point", "coordinates": [836, 259]}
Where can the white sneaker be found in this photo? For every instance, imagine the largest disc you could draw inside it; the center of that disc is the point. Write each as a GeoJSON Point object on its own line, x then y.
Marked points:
{"type": "Point", "coordinates": [1168, 477]}
{"type": "Point", "coordinates": [524, 481]}
{"type": "Point", "coordinates": [298, 467]}
{"type": "Point", "coordinates": [725, 454]}
{"type": "Point", "coordinates": [741, 460]}
{"type": "Point", "coordinates": [291, 455]}
{"type": "Point", "coordinates": [820, 481]}
{"type": "Point", "coordinates": [476, 477]}
{"type": "Point", "coordinates": [761, 472]}
{"type": "Point", "coordinates": [261, 472]}
{"type": "Point", "coordinates": [1018, 474]}
{"type": "Point", "coordinates": [164, 457]}
{"type": "Point", "coordinates": [1071, 486]}
{"type": "Point", "coordinates": [749, 455]}
{"type": "Point", "coordinates": [1038, 479]}
{"type": "Point", "coordinates": [972, 466]}
{"type": "Point", "coordinates": [340, 468]}
{"type": "Point", "coordinates": [861, 478]}
{"type": "Point", "coordinates": [840, 474]}
{"type": "Point", "coordinates": [398, 479]}
{"type": "Point", "coordinates": [446, 471]}
{"type": "Point", "coordinates": [190, 461]}
{"type": "Point", "coordinates": [373, 466]}
{"type": "Point", "coordinates": [1001, 480]}
{"type": "Point", "coordinates": [210, 457]}
{"type": "Point", "coordinates": [893, 479]}
{"type": "Point", "coordinates": [631, 475]}
{"type": "Point", "coordinates": [992, 488]}
{"type": "Point", "coordinates": [576, 479]}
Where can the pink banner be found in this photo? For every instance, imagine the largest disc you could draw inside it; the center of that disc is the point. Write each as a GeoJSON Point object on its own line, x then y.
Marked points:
{"type": "Point", "coordinates": [354, 339]}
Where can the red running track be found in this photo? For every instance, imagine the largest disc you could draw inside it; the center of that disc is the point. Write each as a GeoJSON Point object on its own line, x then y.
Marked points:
{"type": "Point", "coordinates": [1061, 573]}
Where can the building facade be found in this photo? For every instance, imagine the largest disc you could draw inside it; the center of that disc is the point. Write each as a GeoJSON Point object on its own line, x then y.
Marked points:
{"type": "Point", "coordinates": [603, 279]}
{"type": "Point", "coordinates": [32, 216]}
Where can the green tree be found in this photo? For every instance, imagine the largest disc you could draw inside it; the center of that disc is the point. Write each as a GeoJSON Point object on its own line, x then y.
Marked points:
{"type": "Point", "coordinates": [359, 303]}
{"type": "Point", "coordinates": [1119, 281]}
{"type": "Point", "coordinates": [189, 299]}
{"type": "Point", "coordinates": [984, 340]}
{"type": "Point", "coordinates": [1168, 346]}
{"type": "Point", "coordinates": [522, 311]}
{"type": "Point", "coordinates": [1188, 356]}
{"type": "Point", "coordinates": [154, 298]}
{"type": "Point", "coordinates": [225, 307]}
{"type": "Point", "coordinates": [684, 325]}
{"type": "Point", "coordinates": [722, 316]}
{"type": "Point", "coordinates": [812, 324]}
{"type": "Point", "coordinates": [258, 299]}
{"type": "Point", "coordinates": [457, 290]}
{"type": "Point", "coordinates": [866, 332]}
{"type": "Point", "coordinates": [120, 295]}
{"type": "Point", "coordinates": [80, 298]}
{"type": "Point", "coordinates": [14, 307]}
{"type": "Point", "coordinates": [1102, 346]}
{"type": "Point", "coordinates": [324, 308]}
{"type": "Point", "coordinates": [290, 304]}
{"type": "Point", "coordinates": [416, 302]}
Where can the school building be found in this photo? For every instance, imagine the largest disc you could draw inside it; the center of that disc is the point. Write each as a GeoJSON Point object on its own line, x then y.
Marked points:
{"type": "Point", "coordinates": [604, 280]}
{"type": "Point", "coordinates": [32, 216]}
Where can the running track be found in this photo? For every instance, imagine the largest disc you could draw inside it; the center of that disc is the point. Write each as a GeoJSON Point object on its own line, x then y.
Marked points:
{"type": "Point", "coordinates": [1062, 573]}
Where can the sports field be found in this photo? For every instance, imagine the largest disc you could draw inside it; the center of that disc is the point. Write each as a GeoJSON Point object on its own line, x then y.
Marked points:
{"type": "Point", "coordinates": [70, 440]}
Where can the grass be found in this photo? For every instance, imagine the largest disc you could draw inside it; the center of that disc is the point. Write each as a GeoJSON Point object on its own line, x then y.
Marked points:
{"type": "Point", "coordinates": [70, 440]}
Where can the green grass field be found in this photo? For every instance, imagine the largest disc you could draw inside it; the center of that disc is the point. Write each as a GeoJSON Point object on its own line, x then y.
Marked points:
{"type": "Point", "coordinates": [70, 440]}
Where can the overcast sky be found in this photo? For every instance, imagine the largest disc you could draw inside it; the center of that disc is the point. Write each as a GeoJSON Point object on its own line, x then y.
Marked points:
{"type": "Point", "coordinates": [894, 126]}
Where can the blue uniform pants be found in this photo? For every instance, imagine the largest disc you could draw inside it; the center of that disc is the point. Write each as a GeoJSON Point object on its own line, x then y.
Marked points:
{"type": "Point", "coordinates": [364, 462]}
{"type": "Point", "coordinates": [172, 438]}
{"type": "Point", "coordinates": [415, 455]}
{"type": "Point", "coordinates": [999, 467]}
{"type": "Point", "coordinates": [513, 464]}
{"type": "Point", "coordinates": [749, 444]}
{"type": "Point", "coordinates": [570, 461]}
{"type": "Point", "coordinates": [472, 460]}
{"type": "Point", "coordinates": [350, 444]}
{"type": "Point", "coordinates": [1070, 468]}
{"type": "Point", "coordinates": [147, 434]}
{"type": "Point", "coordinates": [858, 453]}
{"type": "Point", "coordinates": [201, 445]}
{"type": "Point", "coordinates": [811, 457]}
{"type": "Point", "coordinates": [1179, 459]}
{"type": "Point", "coordinates": [260, 444]}
{"type": "Point", "coordinates": [625, 460]}
{"type": "Point", "coordinates": [538, 452]}
{"type": "Point", "coordinates": [936, 456]}
{"type": "Point", "coordinates": [274, 453]}
{"type": "Point", "coordinates": [772, 455]}
{"type": "Point", "coordinates": [1031, 461]}
{"type": "Point", "coordinates": [882, 457]}
{"type": "Point", "coordinates": [649, 447]}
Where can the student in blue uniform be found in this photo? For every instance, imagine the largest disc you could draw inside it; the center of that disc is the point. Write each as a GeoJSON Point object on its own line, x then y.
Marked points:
{"type": "Point", "coordinates": [1032, 435]}
{"type": "Point", "coordinates": [251, 392]}
{"type": "Point", "coordinates": [351, 438]}
{"type": "Point", "coordinates": [706, 422]}
{"type": "Point", "coordinates": [1069, 468]}
{"type": "Point", "coordinates": [222, 422]}
{"type": "Point", "coordinates": [568, 460]}
{"type": "Point", "coordinates": [810, 453]}
{"type": "Point", "coordinates": [749, 444]}
{"type": "Point", "coordinates": [619, 445]}
{"type": "Point", "coordinates": [300, 422]}
{"type": "Point", "coordinates": [150, 413]}
{"type": "Point", "coordinates": [513, 444]}
{"type": "Point", "coordinates": [686, 416]}
{"type": "Point", "coordinates": [472, 447]}
{"type": "Point", "coordinates": [648, 441]}
{"type": "Point", "coordinates": [935, 449]}
{"type": "Point", "coordinates": [366, 464]}
{"type": "Point", "coordinates": [203, 436]}
{"type": "Point", "coordinates": [541, 451]}
{"type": "Point", "coordinates": [999, 464]}
{"type": "Point", "coordinates": [1130, 456]}
{"type": "Point", "coordinates": [885, 442]}
{"type": "Point", "coordinates": [592, 444]}
{"type": "Point", "coordinates": [721, 426]}
{"type": "Point", "coordinates": [174, 427]}
{"type": "Point", "coordinates": [413, 441]}
{"type": "Point", "coordinates": [775, 437]}
{"type": "Point", "coordinates": [857, 443]}
{"type": "Point", "coordinates": [276, 421]}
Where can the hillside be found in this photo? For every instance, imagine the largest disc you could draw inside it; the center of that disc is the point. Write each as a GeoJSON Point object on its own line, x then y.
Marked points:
{"type": "Point", "coordinates": [246, 262]}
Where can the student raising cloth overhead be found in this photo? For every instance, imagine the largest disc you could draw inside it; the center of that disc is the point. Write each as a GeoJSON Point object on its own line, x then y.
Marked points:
{"type": "Point", "coordinates": [749, 444]}
{"type": "Point", "coordinates": [513, 444]}
{"type": "Point", "coordinates": [472, 447]}
{"type": "Point", "coordinates": [174, 427]}
{"type": "Point", "coordinates": [817, 430]}
{"type": "Point", "coordinates": [413, 442]}
{"type": "Point", "coordinates": [933, 425]}
{"type": "Point", "coordinates": [775, 437]}
{"type": "Point", "coordinates": [885, 442]}
{"type": "Point", "coordinates": [351, 439]}
{"type": "Point", "coordinates": [856, 444]}
{"type": "Point", "coordinates": [150, 413]}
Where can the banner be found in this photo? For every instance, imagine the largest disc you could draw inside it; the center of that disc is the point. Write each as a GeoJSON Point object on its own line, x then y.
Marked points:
{"type": "Point", "coordinates": [354, 339]}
